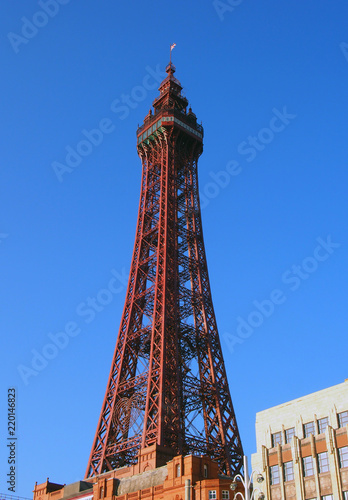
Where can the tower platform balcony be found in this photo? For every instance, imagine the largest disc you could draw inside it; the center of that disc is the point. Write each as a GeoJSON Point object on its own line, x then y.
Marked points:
{"type": "Point", "coordinates": [153, 121]}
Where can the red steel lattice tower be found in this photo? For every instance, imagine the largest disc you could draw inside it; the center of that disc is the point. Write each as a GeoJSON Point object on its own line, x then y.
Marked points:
{"type": "Point", "coordinates": [168, 384]}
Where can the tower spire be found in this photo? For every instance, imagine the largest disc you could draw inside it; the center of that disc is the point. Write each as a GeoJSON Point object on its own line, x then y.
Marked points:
{"type": "Point", "coordinates": [167, 390]}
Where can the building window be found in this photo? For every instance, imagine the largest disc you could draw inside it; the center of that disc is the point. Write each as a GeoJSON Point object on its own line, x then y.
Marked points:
{"type": "Point", "coordinates": [322, 424]}
{"type": "Point", "coordinates": [343, 454]}
{"type": "Point", "coordinates": [205, 470]}
{"type": "Point", "coordinates": [289, 434]}
{"type": "Point", "coordinates": [308, 468]}
{"type": "Point", "coordinates": [225, 495]}
{"type": "Point", "coordinates": [343, 419]}
{"type": "Point", "coordinates": [308, 429]}
{"type": "Point", "coordinates": [178, 470]}
{"type": "Point", "coordinates": [323, 462]}
{"type": "Point", "coordinates": [327, 497]}
{"type": "Point", "coordinates": [276, 438]}
{"type": "Point", "coordinates": [212, 494]}
{"type": "Point", "coordinates": [345, 495]}
{"type": "Point", "coordinates": [288, 471]}
{"type": "Point", "coordinates": [274, 473]}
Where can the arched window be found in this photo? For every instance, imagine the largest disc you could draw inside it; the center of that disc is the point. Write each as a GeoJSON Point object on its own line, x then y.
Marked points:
{"type": "Point", "coordinates": [178, 472]}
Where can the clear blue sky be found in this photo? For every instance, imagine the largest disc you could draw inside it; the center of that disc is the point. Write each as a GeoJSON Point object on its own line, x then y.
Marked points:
{"type": "Point", "coordinates": [269, 81]}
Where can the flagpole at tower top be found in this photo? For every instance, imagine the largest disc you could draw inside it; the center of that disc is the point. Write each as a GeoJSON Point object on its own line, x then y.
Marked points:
{"type": "Point", "coordinates": [170, 55]}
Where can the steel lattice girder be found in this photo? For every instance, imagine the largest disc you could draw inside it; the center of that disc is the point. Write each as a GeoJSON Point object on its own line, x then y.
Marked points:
{"type": "Point", "coordinates": [167, 383]}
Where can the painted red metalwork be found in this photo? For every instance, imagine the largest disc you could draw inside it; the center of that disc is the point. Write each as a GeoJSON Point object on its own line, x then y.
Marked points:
{"type": "Point", "coordinates": [168, 383]}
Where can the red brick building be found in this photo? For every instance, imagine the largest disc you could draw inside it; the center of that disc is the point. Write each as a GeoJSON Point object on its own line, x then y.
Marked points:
{"type": "Point", "coordinates": [181, 478]}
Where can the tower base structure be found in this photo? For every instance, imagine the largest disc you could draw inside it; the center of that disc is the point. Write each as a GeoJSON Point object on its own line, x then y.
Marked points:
{"type": "Point", "coordinates": [156, 476]}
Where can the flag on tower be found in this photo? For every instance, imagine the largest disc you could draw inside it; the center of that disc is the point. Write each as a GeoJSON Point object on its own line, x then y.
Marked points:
{"type": "Point", "coordinates": [172, 46]}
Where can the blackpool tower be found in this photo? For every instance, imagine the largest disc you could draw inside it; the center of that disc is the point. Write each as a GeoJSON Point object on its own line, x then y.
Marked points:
{"type": "Point", "coordinates": [167, 389]}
